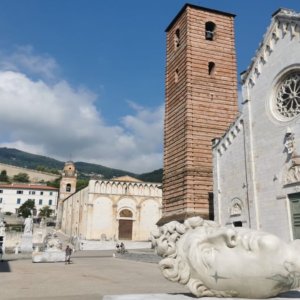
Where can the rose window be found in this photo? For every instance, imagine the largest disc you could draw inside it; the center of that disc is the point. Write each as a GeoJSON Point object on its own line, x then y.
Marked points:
{"type": "Point", "coordinates": [288, 96]}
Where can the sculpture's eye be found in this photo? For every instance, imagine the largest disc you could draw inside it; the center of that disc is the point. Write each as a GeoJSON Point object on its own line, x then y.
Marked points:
{"type": "Point", "coordinates": [208, 257]}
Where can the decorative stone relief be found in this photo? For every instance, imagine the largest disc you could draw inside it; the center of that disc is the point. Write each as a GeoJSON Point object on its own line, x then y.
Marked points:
{"type": "Point", "coordinates": [224, 262]}
{"type": "Point", "coordinates": [236, 209]}
{"type": "Point", "coordinates": [293, 173]}
{"type": "Point", "coordinates": [292, 168]}
{"type": "Point", "coordinates": [289, 142]}
{"type": "Point", "coordinates": [2, 227]}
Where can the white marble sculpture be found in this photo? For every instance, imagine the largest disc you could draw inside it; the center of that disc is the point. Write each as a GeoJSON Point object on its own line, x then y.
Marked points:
{"type": "Point", "coordinates": [226, 262]}
{"type": "Point", "coordinates": [28, 225]}
{"type": "Point", "coordinates": [2, 227]}
{"type": "Point", "coordinates": [53, 251]}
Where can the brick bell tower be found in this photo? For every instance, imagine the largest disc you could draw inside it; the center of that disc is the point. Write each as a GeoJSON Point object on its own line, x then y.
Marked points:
{"type": "Point", "coordinates": [201, 103]}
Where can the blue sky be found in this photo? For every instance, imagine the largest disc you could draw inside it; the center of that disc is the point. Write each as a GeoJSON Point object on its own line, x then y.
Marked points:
{"type": "Point", "coordinates": [85, 79]}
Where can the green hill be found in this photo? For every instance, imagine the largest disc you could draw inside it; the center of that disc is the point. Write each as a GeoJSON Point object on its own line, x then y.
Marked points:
{"type": "Point", "coordinates": [27, 160]}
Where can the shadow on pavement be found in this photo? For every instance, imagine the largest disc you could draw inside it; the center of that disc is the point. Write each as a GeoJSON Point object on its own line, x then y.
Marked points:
{"type": "Point", "coordinates": [290, 294]}
{"type": "Point", "coordinates": [184, 294]}
{"type": "Point", "coordinates": [4, 266]}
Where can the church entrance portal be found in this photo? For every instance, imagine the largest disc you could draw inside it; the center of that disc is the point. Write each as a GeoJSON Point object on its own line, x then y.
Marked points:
{"type": "Point", "coordinates": [125, 229]}
{"type": "Point", "coordinates": [125, 225]}
{"type": "Point", "coordinates": [295, 214]}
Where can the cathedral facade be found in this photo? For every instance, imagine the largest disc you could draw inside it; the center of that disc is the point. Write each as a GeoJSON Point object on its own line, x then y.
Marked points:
{"type": "Point", "coordinates": [256, 162]}
{"type": "Point", "coordinates": [120, 209]}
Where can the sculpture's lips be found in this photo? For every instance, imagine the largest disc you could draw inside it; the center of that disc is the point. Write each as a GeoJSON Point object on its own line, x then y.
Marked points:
{"type": "Point", "coordinates": [249, 241]}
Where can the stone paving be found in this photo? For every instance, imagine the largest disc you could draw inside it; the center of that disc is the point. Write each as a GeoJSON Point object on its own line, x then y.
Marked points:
{"type": "Point", "coordinates": [91, 275]}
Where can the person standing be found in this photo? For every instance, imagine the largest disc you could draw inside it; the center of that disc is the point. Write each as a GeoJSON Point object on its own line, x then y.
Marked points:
{"type": "Point", "coordinates": [68, 255]}
{"type": "Point", "coordinates": [1, 253]}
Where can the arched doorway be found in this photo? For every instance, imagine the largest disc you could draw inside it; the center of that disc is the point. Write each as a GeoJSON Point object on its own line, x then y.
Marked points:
{"type": "Point", "coordinates": [125, 224]}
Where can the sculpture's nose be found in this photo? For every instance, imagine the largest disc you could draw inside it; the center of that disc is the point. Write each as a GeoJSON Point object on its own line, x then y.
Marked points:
{"type": "Point", "coordinates": [231, 238]}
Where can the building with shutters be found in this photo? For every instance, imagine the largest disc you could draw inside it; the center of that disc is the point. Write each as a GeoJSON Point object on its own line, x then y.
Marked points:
{"type": "Point", "coordinates": [124, 208]}
{"type": "Point", "coordinates": [257, 161]}
{"type": "Point", "coordinates": [13, 195]}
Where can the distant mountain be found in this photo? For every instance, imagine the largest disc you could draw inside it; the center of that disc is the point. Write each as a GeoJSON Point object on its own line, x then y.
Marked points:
{"type": "Point", "coordinates": [27, 160]}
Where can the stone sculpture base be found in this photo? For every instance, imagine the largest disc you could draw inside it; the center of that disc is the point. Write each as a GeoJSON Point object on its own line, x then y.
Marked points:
{"type": "Point", "coordinates": [49, 255]}
{"type": "Point", "coordinates": [284, 296]}
{"type": "Point", "coordinates": [26, 243]}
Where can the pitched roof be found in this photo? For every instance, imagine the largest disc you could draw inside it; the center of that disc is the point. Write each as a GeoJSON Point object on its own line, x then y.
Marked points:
{"type": "Point", "coordinates": [28, 186]}
{"type": "Point", "coordinates": [284, 21]}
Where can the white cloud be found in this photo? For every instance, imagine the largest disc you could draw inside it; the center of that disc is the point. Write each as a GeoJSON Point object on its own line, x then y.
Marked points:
{"type": "Point", "coordinates": [58, 120]}
{"type": "Point", "coordinates": [24, 59]}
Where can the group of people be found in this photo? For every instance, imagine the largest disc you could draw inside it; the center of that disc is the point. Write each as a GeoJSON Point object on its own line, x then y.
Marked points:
{"type": "Point", "coordinates": [121, 248]}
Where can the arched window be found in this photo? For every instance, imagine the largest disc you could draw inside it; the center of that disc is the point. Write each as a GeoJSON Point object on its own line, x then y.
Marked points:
{"type": "Point", "coordinates": [68, 187]}
{"type": "Point", "coordinates": [177, 38]}
{"type": "Point", "coordinates": [210, 28]}
{"type": "Point", "coordinates": [211, 68]}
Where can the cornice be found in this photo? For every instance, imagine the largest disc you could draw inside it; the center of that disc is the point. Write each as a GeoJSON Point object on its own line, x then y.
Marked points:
{"type": "Point", "coordinates": [284, 22]}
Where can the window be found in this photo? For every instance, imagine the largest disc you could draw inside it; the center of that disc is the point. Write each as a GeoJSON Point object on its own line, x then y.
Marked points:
{"type": "Point", "coordinates": [238, 224]}
{"type": "Point", "coordinates": [287, 101]}
{"type": "Point", "coordinates": [210, 31]}
{"type": "Point", "coordinates": [1, 191]}
{"type": "Point", "coordinates": [0, 200]}
{"type": "Point", "coordinates": [50, 193]}
{"type": "Point", "coordinates": [31, 192]}
{"type": "Point", "coordinates": [68, 187]}
{"type": "Point", "coordinates": [176, 76]}
{"type": "Point", "coordinates": [211, 68]}
{"type": "Point", "coordinates": [177, 38]}
{"type": "Point", "coordinates": [41, 193]}
{"type": "Point", "coordinates": [50, 202]}
{"type": "Point", "coordinates": [40, 202]}
{"type": "Point", "coordinates": [19, 192]}
{"type": "Point", "coordinates": [18, 201]}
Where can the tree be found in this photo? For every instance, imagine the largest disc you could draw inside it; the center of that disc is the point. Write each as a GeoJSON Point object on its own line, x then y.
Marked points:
{"type": "Point", "coordinates": [3, 176]}
{"type": "Point", "coordinates": [55, 183]}
{"type": "Point", "coordinates": [26, 208]}
{"type": "Point", "coordinates": [21, 177]}
{"type": "Point", "coordinates": [81, 184]}
{"type": "Point", "coordinates": [46, 212]}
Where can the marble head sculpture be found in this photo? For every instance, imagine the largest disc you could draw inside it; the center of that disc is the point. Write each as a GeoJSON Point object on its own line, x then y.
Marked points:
{"type": "Point", "coordinates": [226, 262]}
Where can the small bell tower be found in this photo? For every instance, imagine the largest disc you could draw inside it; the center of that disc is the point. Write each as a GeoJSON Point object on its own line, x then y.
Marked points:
{"type": "Point", "coordinates": [66, 189]}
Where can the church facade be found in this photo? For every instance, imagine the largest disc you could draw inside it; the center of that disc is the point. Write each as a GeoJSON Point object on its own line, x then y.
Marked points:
{"type": "Point", "coordinates": [256, 162]}
{"type": "Point", "coordinates": [120, 209]}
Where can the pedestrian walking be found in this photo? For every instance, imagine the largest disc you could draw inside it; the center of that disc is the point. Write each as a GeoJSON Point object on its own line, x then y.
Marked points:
{"type": "Point", "coordinates": [68, 255]}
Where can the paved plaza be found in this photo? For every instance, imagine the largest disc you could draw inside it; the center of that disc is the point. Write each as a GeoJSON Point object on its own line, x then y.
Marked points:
{"type": "Point", "coordinates": [91, 275]}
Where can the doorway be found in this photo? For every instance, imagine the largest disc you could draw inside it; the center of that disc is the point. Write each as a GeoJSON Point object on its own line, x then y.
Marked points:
{"type": "Point", "coordinates": [125, 224]}
{"type": "Point", "coordinates": [125, 229]}
{"type": "Point", "coordinates": [295, 214]}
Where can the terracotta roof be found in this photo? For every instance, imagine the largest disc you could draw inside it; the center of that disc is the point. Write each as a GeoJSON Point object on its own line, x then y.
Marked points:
{"type": "Point", "coordinates": [27, 186]}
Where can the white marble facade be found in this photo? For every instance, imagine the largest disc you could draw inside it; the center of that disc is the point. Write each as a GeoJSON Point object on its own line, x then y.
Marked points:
{"type": "Point", "coordinates": [123, 208]}
{"type": "Point", "coordinates": [256, 162]}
